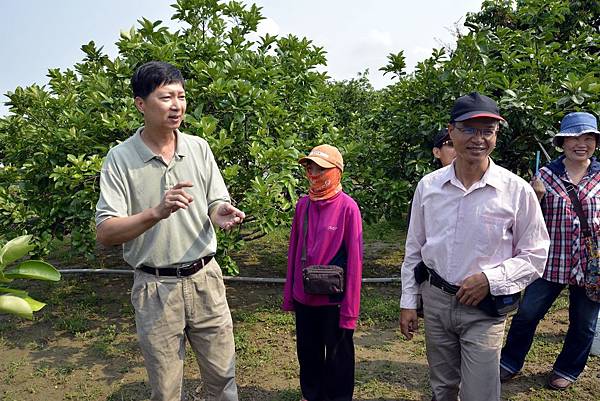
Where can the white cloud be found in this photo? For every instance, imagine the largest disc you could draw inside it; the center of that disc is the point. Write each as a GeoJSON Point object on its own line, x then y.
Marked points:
{"type": "Point", "coordinates": [268, 25]}
{"type": "Point", "coordinates": [383, 39]}
{"type": "Point", "coordinates": [415, 55]}
{"type": "Point", "coordinates": [368, 51]}
{"type": "Point", "coordinates": [420, 51]}
{"type": "Point", "coordinates": [374, 43]}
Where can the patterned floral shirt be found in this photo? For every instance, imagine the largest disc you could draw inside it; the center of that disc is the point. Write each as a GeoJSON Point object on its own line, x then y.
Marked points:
{"type": "Point", "coordinates": [567, 259]}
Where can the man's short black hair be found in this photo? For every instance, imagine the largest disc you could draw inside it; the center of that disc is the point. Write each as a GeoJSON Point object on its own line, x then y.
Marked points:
{"type": "Point", "coordinates": [439, 138]}
{"type": "Point", "coordinates": [152, 75]}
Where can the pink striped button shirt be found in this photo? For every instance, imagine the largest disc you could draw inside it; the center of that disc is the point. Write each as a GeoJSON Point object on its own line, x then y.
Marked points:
{"type": "Point", "coordinates": [495, 227]}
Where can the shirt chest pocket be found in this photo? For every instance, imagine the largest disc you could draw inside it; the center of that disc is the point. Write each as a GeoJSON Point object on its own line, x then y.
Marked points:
{"type": "Point", "coordinates": [493, 231]}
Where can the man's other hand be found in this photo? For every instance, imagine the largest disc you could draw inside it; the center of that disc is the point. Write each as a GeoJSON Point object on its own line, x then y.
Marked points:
{"type": "Point", "coordinates": [227, 216]}
{"type": "Point", "coordinates": [473, 289]}
{"type": "Point", "coordinates": [409, 322]}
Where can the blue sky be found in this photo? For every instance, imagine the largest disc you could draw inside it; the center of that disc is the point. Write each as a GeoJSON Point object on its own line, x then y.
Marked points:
{"type": "Point", "coordinates": [42, 34]}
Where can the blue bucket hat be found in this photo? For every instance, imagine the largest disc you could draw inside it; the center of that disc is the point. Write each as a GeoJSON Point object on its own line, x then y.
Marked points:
{"type": "Point", "coordinates": [576, 124]}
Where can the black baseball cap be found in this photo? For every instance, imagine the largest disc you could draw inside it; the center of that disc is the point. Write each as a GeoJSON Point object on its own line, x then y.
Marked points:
{"type": "Point", "coordinates": [440, 138]}
{"type": "Point", "coordinates": [474, 105]}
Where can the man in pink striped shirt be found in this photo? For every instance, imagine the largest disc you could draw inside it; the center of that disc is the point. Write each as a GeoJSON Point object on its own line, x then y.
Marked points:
{"type": "Point", "coordinates": [479, 230]}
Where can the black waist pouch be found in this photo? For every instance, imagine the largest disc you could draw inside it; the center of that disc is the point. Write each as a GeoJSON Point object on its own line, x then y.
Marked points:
{"type": "Point", "coordinates": [323, 279]}
{"type": "Point", "coordinates": [499, 305]}
{"type": "Point", "coordinates": [421, 273]}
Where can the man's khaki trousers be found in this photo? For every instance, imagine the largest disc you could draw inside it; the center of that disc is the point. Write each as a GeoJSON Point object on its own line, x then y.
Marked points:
{"type": "Point", "coordinates": [463, 348]}
{"type": "Point", "coordinates": [169, 309]}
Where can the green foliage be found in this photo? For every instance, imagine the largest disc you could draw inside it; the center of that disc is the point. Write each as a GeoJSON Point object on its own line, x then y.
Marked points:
{"type": "Point", "coordinates": [260, 102]}
{"type": "Point", "coordinates": [377, 309]}
{"type": "Point", "coordinates": [539, 59]}
{"type": "Point", "coordinates": [15, 301]}
{"type": "Point", "coordinates": [254, 99]}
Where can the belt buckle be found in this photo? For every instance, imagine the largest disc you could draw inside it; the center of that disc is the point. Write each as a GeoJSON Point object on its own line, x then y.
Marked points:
{"type": "Point", "coordinates": [441, 286]}
{"type": "Point", "coordinates": [178, 272]}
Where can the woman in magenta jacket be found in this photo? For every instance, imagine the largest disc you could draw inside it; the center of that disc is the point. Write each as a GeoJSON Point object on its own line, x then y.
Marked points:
{"type": "Point", "coordinates": [325, 323]}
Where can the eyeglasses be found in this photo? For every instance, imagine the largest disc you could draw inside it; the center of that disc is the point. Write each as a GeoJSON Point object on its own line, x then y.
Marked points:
{"type": "Point", "coordinates": [485, 132]}
{"type": "Point", "coordinates": [447, 143]}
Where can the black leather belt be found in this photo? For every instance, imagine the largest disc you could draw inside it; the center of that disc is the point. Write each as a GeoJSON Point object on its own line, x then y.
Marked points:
{"type": "Point", "coordinates": [181, 271]}
{"type": "Point", "coordinates": [437, 281]}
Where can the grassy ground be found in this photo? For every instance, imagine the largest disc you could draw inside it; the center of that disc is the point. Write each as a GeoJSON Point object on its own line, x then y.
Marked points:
{"type": "Point", "coordinates": [82, 346]}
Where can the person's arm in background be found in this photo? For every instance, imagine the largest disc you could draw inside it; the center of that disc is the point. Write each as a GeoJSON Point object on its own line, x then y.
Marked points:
{"type": "Point", "coordinates": [353, 240]}
{"type": "Point", "coordinates": [537, 183]}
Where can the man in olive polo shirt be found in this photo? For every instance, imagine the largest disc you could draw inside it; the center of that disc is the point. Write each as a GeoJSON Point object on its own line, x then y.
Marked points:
{"type": "Point", "coordinates": [161, 193]}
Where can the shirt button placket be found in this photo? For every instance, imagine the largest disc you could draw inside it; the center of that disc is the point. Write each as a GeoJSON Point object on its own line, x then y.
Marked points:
{"type": "Point", "coordinates": [167, 180]}
{"type": "Point", "coordinates": [458, 238]}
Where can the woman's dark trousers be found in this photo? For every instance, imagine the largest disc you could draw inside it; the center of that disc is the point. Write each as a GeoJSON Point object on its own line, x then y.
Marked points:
{"type": "Point", "coordinates": [325, 354]}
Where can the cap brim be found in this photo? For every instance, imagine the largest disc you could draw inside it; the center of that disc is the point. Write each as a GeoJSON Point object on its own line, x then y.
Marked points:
{"type": "Point", "coordinates": [478, 114]}
{"type": "Point", "coordinates": [318, 160]}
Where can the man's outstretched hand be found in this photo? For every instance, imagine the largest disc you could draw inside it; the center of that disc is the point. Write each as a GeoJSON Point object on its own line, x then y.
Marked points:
{"type": "Point", "coordinates": [227, 216]}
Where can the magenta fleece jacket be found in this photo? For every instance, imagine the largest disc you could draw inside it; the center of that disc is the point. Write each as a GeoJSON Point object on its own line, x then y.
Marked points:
{"type": "Point", "coordinates": [331, 223]}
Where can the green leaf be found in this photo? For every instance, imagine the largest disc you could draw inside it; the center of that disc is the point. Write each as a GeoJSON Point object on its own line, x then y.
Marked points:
{"type": "Point", "coordinates": [3, 279]}
{"type": "Point", "coordinates": [15, 249]}
{"type": "Point", "coordinates": [34, 269]}
{"type": "Point", "coordinates": [13, 291]}
{"type": "Point", "coordinates": [16, 306]}
{"type": "Point", "coordinates": [34, 304]}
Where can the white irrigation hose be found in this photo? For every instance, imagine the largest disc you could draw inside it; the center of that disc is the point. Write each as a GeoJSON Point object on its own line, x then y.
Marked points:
{"type": "Point", "coordinates": [267, 280]}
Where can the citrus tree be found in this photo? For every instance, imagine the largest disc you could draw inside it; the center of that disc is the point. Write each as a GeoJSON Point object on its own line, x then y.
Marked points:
{"type": "Point", "coordinates": [256, 100]}
{"type": "Point", "coordinates": [261, 101]}
{"type": "Point", "coordinates": [539, 59]}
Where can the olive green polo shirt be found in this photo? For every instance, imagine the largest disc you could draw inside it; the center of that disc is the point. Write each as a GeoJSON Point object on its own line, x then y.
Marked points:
{"type": "Point", "coordinates": [133, 179]}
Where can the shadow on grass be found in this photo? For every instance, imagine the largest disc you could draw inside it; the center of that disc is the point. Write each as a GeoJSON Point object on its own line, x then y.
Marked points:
{"type": "Point", "coordinates": [140, 391]}
{"type": "Point", "coordinates": [391, 380]}
{"type": "Point", "coordinates": [192, 391]}
{"type": "Point", "coordinates": [523, 382]}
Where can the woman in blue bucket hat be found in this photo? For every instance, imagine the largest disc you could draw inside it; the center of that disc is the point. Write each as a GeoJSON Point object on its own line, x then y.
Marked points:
{"type": "Point", "coordinates": [578, 171]}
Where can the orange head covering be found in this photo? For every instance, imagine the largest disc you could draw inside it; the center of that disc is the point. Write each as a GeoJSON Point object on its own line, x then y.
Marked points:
{"type": "Point", "coordinates": [327, 183]}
